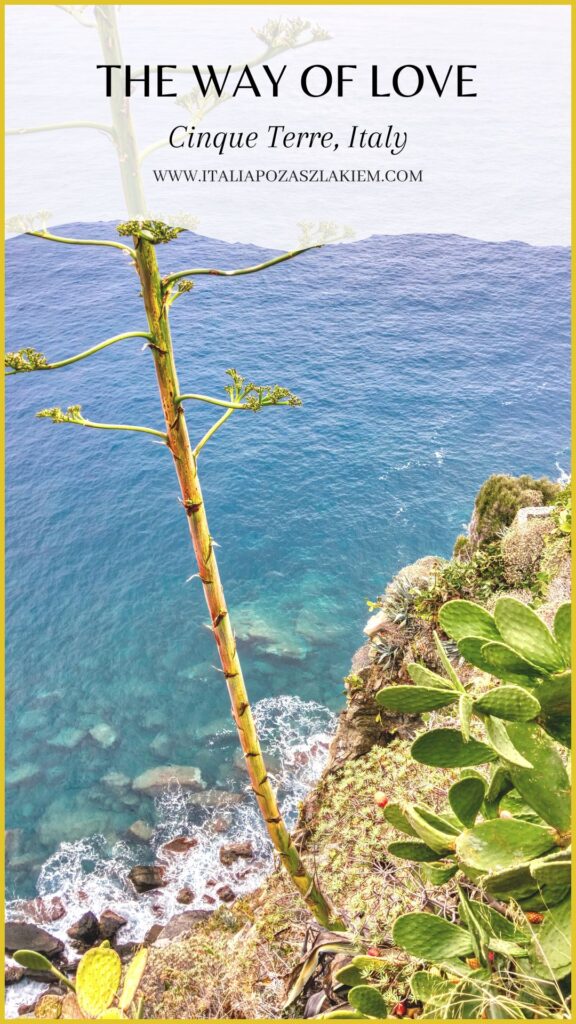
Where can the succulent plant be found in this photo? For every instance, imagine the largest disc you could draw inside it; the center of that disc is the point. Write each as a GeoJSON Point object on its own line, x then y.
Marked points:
{"type": "Point", "coordinates": [399, 601]}
{"type": "Point", "coordinates": [97, 983]}
{"type": "Point", "coordinates": [506, 829]}
{"type": "Point", "coordinates": [386, 653]}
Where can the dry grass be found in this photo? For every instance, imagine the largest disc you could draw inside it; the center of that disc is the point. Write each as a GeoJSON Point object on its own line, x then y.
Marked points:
{"type": "Point", "coordinates": [236, 963]}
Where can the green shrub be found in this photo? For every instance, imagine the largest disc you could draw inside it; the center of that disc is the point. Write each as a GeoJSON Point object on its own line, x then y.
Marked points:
{"type": "Point", "coordinates": [500, 498]}
{"type": "Point", "coordinates": [478, 577]}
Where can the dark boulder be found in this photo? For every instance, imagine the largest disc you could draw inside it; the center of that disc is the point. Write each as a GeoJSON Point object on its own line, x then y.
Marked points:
{"type": "Point", "coordinates": [180, 844]}
{"type": "Point", "coordinates": [22, 935]}
{"type": "Point", "coordinates": [232, 852]}
{"type": "Point", "coordinates": [13, 974]}
{"type": "Point", "coordinates": [185, 895]}
{"type": "Point", "coordinates": [145, 877]}
{"type": "Point", "coordinates": [226, 894]}
{"type": "Point", "coordinates": [85, 930]}
{"type": "Point", "coordinates": [109, 923]}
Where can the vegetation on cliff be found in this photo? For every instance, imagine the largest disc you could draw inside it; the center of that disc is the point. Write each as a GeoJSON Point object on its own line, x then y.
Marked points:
{"type": "Point", "coordinates": [440, 827]}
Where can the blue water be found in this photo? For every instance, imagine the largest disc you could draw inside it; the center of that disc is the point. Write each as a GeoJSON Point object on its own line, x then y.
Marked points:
{"type": "Point", "coordinates": [425, 363]}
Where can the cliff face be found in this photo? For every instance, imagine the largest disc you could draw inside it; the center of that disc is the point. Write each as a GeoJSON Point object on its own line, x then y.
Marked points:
{"type": "Point", "coordinates": [529, 559]}
{"type": "Point", "coordinates": [255, 943]}
{"type": "Point", "coordinates": [362, 724]}
{"type": "Point", "coordinates": [247, 949]}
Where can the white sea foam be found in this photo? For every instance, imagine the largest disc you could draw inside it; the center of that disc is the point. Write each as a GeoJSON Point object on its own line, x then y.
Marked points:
{"type": "Point", "coordinates": [89, 875]}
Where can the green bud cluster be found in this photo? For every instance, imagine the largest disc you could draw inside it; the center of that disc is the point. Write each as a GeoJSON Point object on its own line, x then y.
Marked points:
{"type": "Point", "coordinates": [25, 359]}
{"type": "Point", "coordinates": [154, 231]}
{"type": "Point", "coordinates": [73, 414]}
{"type": "Point", "coordinates": [255, 396]}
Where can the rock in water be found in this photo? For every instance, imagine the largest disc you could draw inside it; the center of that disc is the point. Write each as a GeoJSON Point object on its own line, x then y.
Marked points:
{"type": "Point", "coordinates": [155, 780]}
{"type": "Point", "coordinates": [141, 831]}
{"type": "Point", "coordinates": [21, 935]}
{"type": "Point", "coordinates": [85, 930]}
{"type": "Point", "coordinates": [109, 923]}
{"type": "Point", "coordinates": [115, 780]}
{"type": "Point", "coordinates": [12, 975]}
{"type": "Point", "coordinates": [185, 895]}
{"type": "Point", "coordinates": [67, 738]}
{"type": "Point", "coordinates": [232, 852]}
{"type": "Point", "coordinates": [216, 798]}
{"type": "Point", "coordinates": [226, 894]}
{"type": "Point", "coordinates": [43, 909]}
{"type": "Point", "coordinates": [161, 745]}
{"type": "Point", "coordinates": [22, 775]}
{"type": "Point", "coordinates": [180, 844]}
{"type": "Point", "coordinates": [145, 877]}
{"type": "Point", "coordinates": [104, 734]}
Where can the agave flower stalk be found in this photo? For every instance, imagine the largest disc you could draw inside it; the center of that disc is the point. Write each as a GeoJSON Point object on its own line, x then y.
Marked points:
{"type": "Point", "coordinates": [154, 292]}
{"type": "Point", "coordinates": [158, 294]}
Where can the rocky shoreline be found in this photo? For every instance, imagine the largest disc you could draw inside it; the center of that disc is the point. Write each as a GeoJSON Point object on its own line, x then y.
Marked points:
{"type": "Point", "coordinates": [265, 926]}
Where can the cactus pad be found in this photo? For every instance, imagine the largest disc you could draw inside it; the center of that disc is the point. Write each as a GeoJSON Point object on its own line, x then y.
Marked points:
{"type": "Point", "coordinates": [554, 871]}
{"type": "Point", "coordinates": [512, 883]}
{"type": "Point", "coordinates": [524, 631]}
{"type": "Point", "coordinates": [437, 838]}
{"type": "Point", "coordinates": [552, 957]}
{"type": "Point", "coordinates": [132, 978]}
{"type": "Point", "coordinates": [33, 961]}
{"type": "Point", "coordinates": [466, 798]}
{"type": "Point", "coordinates": [545, 786]}
{"type": "Point", "coordinates": [512, 703]}
{"type": "Point", "coordinates": [463, 618]}
{"type": "Point", "coordinates": [395, 816]}
{"type": "Point", "coordinates": [438, 873]}
{"type": "Point", "coordinates": [502, 843]}
{"type": "Point", "coordinates": [507, 664]}
{"type": "Point", "coordinates": [368, 1001]}
{"type": "Point", "coordinates": [446, 748]}
{"type": "Point", "coordinates": [97, 980]}
{"type": "Point", "coordinates": [430, 937]}
{"type": "Point", "coordinates": [563, 631]}
{"type": "Point", "coordinates": [555, 696]}
{"type": "Point", "coordinates": [48, 1007]}
{"type": "Point", "coordinates": [416, 851]}
{"type": "Point", "coordinates": [349, 976]}
{"type": "Point", "coordinates": [423, 676]}
{"type": "Point", "coordinates": [503, 745]}
{"type": "Point", "coordinates": [425, 987]}
{"type": "Point", "coordinates": [414, 699]}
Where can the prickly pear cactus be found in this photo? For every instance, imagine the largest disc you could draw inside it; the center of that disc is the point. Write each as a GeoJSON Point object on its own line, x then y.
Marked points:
{"type": "Point", "coordinates": [132, 978]}
{"type": "Point", "coordinates": [368, 1001]}
{"type": "Point", "coordinates": [507, 824]}
{"type": "Point", "coordinates": [97, 980]}
{"type": "Point", "coordinates": [430, 937]}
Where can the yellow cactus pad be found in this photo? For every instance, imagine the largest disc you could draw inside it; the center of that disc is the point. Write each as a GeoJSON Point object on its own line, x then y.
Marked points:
{"type": "Point", "coordinates": [133, 978]}
{"type": "Point", "coordinates": [114, 1013]}
{"type": "Point", "coordinates": [97, 980]}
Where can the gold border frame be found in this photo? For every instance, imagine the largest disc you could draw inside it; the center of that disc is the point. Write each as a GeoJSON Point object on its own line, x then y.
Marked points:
{"type": "Point", "coordinates": [221, 3]}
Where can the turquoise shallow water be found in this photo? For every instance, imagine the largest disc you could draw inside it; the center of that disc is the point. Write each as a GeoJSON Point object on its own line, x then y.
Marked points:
{"type": "Point", "coordinates": [425, 363]}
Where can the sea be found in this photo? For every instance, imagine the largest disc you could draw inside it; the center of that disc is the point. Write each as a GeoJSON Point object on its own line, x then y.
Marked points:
{"type": "Point", "coordinates": [424, 363]}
